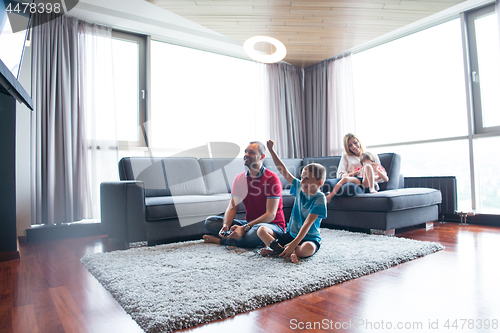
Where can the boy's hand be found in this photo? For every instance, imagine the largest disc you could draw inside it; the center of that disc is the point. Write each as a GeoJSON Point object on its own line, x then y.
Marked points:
{"type": "Point", "coordinates": [289, 248]}
{"type": "Point", "coordinates": [270, 145]}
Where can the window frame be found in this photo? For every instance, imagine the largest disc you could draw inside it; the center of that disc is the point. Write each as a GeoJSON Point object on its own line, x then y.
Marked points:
{"type": "Point", "coordinates": [143, 85]}
{"type": "Point", "coordinates": [475, 84]}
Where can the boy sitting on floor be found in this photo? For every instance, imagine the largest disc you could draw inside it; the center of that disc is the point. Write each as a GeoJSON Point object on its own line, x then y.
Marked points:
{"type": "Point", "coordinates": [302, 238]}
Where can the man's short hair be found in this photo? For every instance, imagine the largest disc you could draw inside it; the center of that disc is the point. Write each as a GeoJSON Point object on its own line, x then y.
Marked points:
{"type": "Point", "coordinates": [262, 147]}
{"type": "Point", "coordinates": [316, 170]}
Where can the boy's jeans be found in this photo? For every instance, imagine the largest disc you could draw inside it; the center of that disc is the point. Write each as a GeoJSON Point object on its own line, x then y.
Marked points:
{"type": "Point", "coordinates": [250, 239]}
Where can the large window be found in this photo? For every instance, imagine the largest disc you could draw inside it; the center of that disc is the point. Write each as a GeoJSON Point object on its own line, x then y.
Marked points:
{"type": "Point", "coordinates": [413, 87]}
{"type": "Point", "coordinates": [129, 71]}
{"type": "Point", "coordinates": [199, 97]}
{"type": "Point", "coordinates": [12, 44]}
{"type": "Point", "coordinates": [412, 98]}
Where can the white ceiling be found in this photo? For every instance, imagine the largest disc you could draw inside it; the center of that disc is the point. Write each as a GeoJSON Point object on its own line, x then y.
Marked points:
{"type": "Point", "coordinates": [311, 30]}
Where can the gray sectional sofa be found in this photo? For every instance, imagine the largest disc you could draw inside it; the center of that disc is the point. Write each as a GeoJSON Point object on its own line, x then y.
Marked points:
{"type": "Point", "coordinates": [164, 200]}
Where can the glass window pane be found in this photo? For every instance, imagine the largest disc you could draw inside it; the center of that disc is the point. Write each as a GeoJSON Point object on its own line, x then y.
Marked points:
{"type": "Point", "coordinates": [11, 44]}
{"type": "Point", "coordinates": [488, 53]}
{"type": "Point", "coordinates": [412, 87]}
{"type": "Point", "coordinates": [199, 97]}
{"type": "Point", "coordinates": [487, 162]}
{"type": "Point", "coordinates": [126, 83]}
{"type": "Point", "coordinates": [437, 159]}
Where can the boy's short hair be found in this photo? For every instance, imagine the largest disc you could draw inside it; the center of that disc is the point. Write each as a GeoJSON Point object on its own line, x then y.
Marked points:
{"type": "Point", "coordinates": [367, 156]}
{"type": "Point", "coordinates": [316, 170]}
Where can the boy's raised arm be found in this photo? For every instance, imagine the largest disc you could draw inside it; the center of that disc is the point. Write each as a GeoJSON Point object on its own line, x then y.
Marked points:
{"type": "Point", "coordinates": [279, 163]}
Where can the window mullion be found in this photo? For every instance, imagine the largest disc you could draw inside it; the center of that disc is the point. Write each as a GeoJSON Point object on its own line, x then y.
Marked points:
{"type": "Point", "coordinates": [470, 105]}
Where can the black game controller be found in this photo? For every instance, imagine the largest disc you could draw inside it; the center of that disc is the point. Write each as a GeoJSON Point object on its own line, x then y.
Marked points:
{"type": "Point", "coordinates": [276, 247]}
{"type": "Point", "coordinates": [226, 233]}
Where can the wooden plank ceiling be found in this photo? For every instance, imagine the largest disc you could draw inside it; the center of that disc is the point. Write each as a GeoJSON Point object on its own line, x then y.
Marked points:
{"type": "Point", "coordinates": [313, 30]}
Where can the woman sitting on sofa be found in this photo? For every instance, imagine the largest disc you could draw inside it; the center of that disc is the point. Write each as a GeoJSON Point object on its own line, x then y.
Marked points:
{"type": "Point", "coordinates": [349, 163]}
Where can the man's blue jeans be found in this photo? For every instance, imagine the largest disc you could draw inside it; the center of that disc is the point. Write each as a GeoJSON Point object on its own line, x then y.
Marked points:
{"type": "Point", "coordinates": [250, 239]}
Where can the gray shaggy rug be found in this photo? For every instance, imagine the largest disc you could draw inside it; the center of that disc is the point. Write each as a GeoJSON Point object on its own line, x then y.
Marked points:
{"type": "Point", "coordinates": [175, 286]}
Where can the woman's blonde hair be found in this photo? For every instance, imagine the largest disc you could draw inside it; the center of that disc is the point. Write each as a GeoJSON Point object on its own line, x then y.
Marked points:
{"type": "Point", "coordinates": [347, 137]}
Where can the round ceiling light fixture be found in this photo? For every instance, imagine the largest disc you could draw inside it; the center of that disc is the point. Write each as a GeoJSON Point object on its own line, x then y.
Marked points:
{"type": "Point", "coordinates": [249, 48]}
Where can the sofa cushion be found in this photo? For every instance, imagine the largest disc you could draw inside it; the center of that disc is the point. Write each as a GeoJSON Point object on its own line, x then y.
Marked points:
{"type": "Point", "coordinates": [388, 201]}
{"type": "Point", "coordinates": [183, 175]}
{"type": "Point", "coordinates": [145, 169]}
{"type": "Point", "coordinates": [220, 172]}
{"type": "Point", "coordinates": [331, 164]}
{"type": "Point", "coordinates": [185, 206]}
{"type": "Point", "coordinates": [294, 166]}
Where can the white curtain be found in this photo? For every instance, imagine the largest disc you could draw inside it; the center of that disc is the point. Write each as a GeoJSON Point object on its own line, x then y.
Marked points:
{"type": "Point", "coordinates": [285, 108]}
{"type": "Point", "coordinates": [97, 103]}
{"type": "Point", "coordinates": [68, 89]}
{"type": "Point", "coordinates": [340, 104]}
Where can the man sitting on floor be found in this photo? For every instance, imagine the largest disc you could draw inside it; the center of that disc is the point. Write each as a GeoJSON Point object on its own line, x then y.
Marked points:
{"type": "Point", "coordinates": [260, 190]}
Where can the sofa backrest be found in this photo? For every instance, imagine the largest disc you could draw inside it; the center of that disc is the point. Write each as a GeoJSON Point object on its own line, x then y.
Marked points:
{"type": "Point", "coordinates": [331, 164]}
{"type": "Point", "coordinates": [392, 164]}
{"type": "Point", "coordinates": [164, 176]}
{"type": "Point", "coordinates": [390, 161]}
{"type": "Point", "coordinates": [148, 170]}
{"type": "Point", "coordinates": [188, 175]}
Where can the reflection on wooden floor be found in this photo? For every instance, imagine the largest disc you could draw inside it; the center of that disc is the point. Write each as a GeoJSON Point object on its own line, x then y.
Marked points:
{"type": "Point", "coordinates": [48, 290]}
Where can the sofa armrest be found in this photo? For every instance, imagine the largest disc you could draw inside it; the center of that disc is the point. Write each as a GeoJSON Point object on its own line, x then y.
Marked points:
{"type": "Point", "coordinates": [122, 210]}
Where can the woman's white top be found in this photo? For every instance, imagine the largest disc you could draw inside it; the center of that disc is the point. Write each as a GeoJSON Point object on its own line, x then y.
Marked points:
{"type": "Point", "coordinates": [349, 163]}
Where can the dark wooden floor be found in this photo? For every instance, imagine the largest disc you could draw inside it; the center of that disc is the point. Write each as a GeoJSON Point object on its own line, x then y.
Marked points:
{"type": "Point", "coordinates": [48, 290]}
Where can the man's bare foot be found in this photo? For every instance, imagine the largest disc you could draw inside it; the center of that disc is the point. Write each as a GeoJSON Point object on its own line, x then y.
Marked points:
{"type": "Point", "coordinates": [211, 239]}
{"type": "Point", "coordinates": [294, 258]}
{"type": "Point", "coordinates": [266, 252]}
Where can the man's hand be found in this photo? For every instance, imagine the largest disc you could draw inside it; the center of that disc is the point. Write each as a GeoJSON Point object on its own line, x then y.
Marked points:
{"type": "Point", "coordinates": [224, 228]}
{"type": "Point", "coordinates": [238, 232]}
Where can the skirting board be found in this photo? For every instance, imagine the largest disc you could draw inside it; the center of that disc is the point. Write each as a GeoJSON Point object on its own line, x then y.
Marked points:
{"type": "Point", "coordinates": [63, 231]}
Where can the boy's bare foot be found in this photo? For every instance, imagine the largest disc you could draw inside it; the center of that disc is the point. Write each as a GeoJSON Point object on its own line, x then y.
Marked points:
{"type": "Point", "coordinates": [266, 252]}
{"type": "Point", "coordinates": [211, 239]}
{"type": "Point", "coordinates": [294, 258]}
